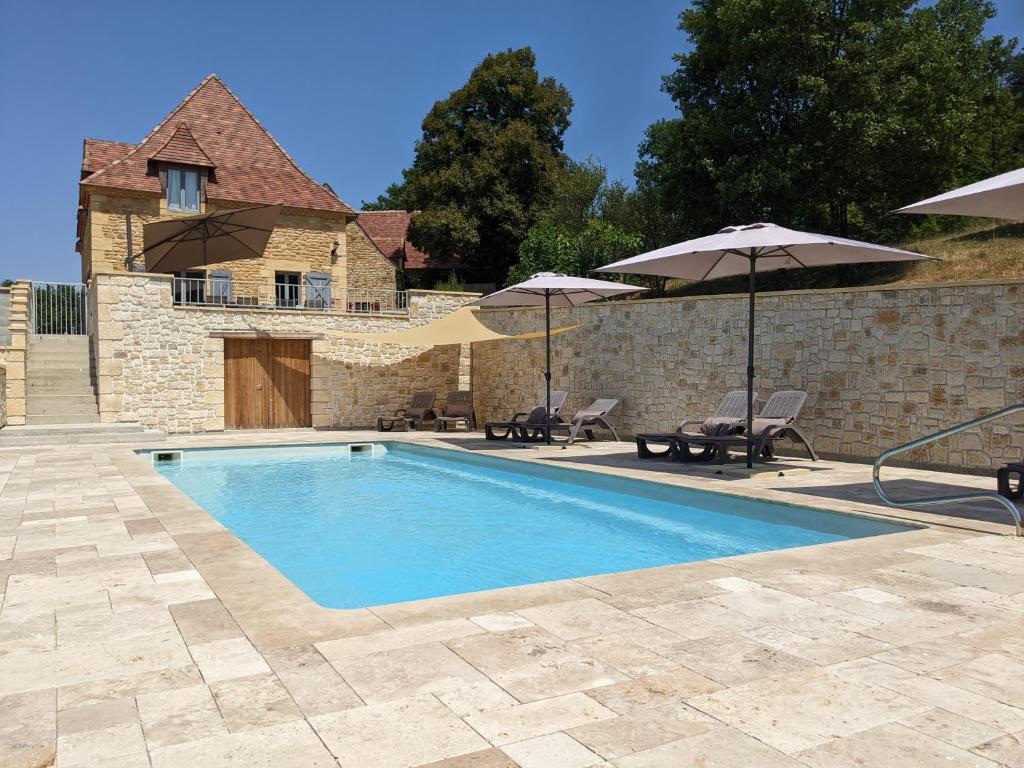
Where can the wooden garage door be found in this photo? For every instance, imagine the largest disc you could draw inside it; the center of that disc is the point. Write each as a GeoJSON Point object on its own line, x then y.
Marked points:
{"type": "Point", "coordinates": [266, 383]}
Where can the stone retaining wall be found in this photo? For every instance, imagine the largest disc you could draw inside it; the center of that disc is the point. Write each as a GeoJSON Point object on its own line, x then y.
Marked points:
{"type": "Point", "coordinates": [159, 364]}
{"type": "Point", "coordinates": [881, 366]}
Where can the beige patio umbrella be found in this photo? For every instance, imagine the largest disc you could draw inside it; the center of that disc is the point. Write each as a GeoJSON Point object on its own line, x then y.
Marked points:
{"type": "Point", "coordinates": [751, 249]}
{"type": "Point", "coordinates": [174, 245]}
{"type": "Point", "coordinates": [1000, 197]}
{"type": "Point", "coordinates": [547, 289]}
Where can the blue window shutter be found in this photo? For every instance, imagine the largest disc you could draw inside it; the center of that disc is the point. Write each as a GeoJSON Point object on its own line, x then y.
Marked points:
{"type": "Point", "coordinates": [318, 290]}
{"type": "Point", "coordinates": [220, 286]}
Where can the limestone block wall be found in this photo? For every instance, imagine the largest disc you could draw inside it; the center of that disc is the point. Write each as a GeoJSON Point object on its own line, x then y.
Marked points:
{"type": "Point", "coordinates": [302, 241]}
{"type": "Point", "coordinates": [367, 267]}
{"type": "Point", "coordinates": [13, 353]}
{"type": "Point", "coordinates": [163, 366]}
{"type": "Point", "coordinates": [881, 366]}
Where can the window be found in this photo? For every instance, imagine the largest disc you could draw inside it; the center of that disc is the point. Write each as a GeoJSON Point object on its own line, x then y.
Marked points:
{"type": "Point", "coordinates": [183, 189]}
{"type": "Point", "coordinates": [286, 289]}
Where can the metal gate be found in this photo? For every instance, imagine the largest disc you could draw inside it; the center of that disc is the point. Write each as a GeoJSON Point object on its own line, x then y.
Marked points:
{"type": "Point", "coordinates": [59, 309]}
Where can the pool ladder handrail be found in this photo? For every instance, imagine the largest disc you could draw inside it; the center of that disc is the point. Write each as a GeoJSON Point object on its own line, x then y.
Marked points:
{"type": "Point", "coordinates": [932, 500]}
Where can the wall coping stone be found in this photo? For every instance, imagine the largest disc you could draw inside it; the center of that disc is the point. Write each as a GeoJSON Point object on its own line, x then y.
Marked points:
{"type": "Point", "coordinates": [805, 292]}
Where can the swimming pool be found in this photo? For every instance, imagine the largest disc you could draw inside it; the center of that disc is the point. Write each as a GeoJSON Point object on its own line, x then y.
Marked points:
{"type": "Point", "coordinates": [411, 522]}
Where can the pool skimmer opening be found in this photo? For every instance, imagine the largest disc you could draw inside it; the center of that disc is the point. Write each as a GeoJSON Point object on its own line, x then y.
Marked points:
{"type": "Point", "coordinates": [166, 457]}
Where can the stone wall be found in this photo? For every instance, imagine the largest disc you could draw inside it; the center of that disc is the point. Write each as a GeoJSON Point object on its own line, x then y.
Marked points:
{"type": "Point", "coordinates": [367, 267]}
{"type": "Point", "coordinates": [13, 353]}
{"type": "Point", "coordinates": [302, 241]}
{"type": "Point", "coordinates": [163, 366]}
{"type": "Point", "coordinates": [881, 366]}
{"type": "Point", "coordinates": [3, 395]}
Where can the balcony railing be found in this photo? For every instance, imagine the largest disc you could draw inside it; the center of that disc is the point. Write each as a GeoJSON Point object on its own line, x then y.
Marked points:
{"type": "Point", "coordinates": [251, 294]}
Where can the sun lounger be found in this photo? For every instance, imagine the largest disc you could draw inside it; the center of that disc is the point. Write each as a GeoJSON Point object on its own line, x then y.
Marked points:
{"type": "Point", "coordinates": [776, 421]}
{"type": "Point", "coordinates": [594, 415]}
{"type": "Point", "coordinates": [419, 410]}
{"type": "Point", "coordinates": [458, 407]}
{"type": "Point", "coordinates": [730, 412]}
{"type": "Point", "coordinates": [534, 417]}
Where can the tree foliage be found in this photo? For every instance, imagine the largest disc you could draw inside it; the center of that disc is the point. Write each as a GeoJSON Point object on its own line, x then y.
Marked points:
{"type": "Point", "coordinates": [827, 114]}
{"type": "Point", "coordinates": [575, 232]}
{"type": "Point", "coordinates": [485, 163]}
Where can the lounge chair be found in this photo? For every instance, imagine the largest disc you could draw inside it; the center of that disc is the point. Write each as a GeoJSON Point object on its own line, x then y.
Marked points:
{"type": "Point", "coordinates": [419, 410]}
{"type": "Point", "coordinates": [534, 417]}
{"type": "Point", "coordinates": [730, 412]}
{"type": "Point", "coordinates": [458, 407]}
{"type": "Point", "coordinates": [594, 415]}
{"type": "Point", "coordinates": [775, 422]}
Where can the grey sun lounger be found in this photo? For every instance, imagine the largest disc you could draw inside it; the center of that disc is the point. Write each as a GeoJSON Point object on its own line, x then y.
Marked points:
{"type": "Point", "coordinates": [500, 430]}
{"type": "Point", "coordinates": [585, 420]}
{"type": "Point", "coordinates": [730, 412]}
{"type": "Point", "coordinates": [419, 410]}
{"type": "Point", "coordinates": [458, 407]}
{"type": "Point", "coordinates": [776, 421]}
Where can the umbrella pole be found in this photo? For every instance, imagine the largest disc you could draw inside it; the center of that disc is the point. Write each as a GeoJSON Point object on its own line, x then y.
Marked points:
{"type": "Point", "coordinates": [547, 369]}
{"type": "Point", "coordinates": [750, 365]}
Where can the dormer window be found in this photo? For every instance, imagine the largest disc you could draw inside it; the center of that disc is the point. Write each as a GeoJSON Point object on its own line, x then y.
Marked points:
{"type": "Point", "coordinates": [183, 186]}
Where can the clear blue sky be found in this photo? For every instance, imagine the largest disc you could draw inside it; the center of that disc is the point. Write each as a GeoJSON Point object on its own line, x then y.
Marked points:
{"type": "Point", "coordinates": [342, 85]}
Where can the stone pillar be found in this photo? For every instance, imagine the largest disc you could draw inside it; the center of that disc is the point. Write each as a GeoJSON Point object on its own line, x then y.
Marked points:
{"type": "Point", "coordinates": [17, 353]}
{"type": "Point", "coordinates": [106, 335]}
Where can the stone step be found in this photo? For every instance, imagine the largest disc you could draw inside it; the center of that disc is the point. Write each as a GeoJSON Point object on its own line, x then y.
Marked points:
{"type": "Point", "coordinates": [33, 419]}
{"type": "Point", "coordinates": [63, 406]}
{"type": "Point", "coordinates": [45, 341]}
{"type": "Point", "coordinates": [57, 377]}
{"type": "Point", "coordinates": [77, 434]}
{"type": "Point", "coordinates": [37, 399]}
{"type": "Point", "coordinates": [62, 389]}
{"type": "Point", "coordinates": [49, 359]}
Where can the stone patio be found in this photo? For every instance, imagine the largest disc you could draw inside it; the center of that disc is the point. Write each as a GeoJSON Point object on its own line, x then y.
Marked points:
{"type": "Point", "coordinates": [136, 631]}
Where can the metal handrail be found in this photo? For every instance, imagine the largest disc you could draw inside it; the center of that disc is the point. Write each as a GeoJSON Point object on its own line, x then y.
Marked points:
{"type": "Point", "coordinates": [932, 500]}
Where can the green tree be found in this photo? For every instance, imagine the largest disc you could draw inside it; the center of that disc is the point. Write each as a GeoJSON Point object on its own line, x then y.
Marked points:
{"type": "Point", "coordinates": [392, 199]}
{"type": "Point", "coordinates": [826, 114]}
{"type": "Point", "coordinates": [486, 162]}
{"type": "Point", "coordinates": [585, 223]}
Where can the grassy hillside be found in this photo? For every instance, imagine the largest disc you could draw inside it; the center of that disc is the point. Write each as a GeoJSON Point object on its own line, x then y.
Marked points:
{"type": "Point", "coordinates": [979, 252]}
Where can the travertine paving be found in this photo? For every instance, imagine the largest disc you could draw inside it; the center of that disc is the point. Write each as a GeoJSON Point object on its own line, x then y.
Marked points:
{"type": "Point", "coordinates": [136, 631]}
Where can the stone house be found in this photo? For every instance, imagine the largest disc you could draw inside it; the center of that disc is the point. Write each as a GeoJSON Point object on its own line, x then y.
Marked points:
{"type": "Point", "coordinates": [211, 154]}
{"type": "Point", "coordinates": [251, 343]}
{"type": "Point", "coordinates": [388, 232]}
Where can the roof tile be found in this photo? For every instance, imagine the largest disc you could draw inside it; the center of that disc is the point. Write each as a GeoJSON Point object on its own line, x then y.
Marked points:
{"type": "Point", "coordinates": [388, 231]}
{"type": "Point", "coordinates": [251, 166]}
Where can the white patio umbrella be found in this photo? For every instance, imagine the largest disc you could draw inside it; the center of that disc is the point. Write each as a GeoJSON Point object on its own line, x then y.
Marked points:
{"type": "Point", "coordinates": [747, 250]}
{"type": "Point", "coordinates": [1001, 197]}
{"type": "Point", "coordinates": [550, 289]}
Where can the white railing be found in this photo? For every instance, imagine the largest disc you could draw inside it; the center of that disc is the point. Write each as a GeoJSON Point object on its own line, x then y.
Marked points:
{"type": "Point", "coordinates": [213, 291]}
{"type": "Point", "coordinates": [59, 309]}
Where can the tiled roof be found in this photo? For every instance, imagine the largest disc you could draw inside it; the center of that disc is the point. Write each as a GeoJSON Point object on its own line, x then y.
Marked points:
{"type": "Point", "coordinates": [97, 153]}
{"type": "Point", "coordinates": [183, 148]}
{"type": "Point", "coordinates": [251, 166]}
{"type": "Point", "coordinates": [388, 230]}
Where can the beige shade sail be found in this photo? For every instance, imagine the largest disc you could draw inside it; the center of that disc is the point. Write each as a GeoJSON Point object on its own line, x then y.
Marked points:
{"type": "Point", "coordinates": [174, 245]}
{"type": "Point", "coordinates": [460, 327]}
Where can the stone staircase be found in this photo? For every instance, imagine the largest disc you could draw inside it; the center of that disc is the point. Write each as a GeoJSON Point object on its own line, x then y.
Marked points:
{"type": "Point", "coordinates": [60, 379]}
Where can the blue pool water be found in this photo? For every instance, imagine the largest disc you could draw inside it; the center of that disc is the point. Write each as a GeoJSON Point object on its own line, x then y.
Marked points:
{"type": "Point", "coordinates": [424, 522]}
